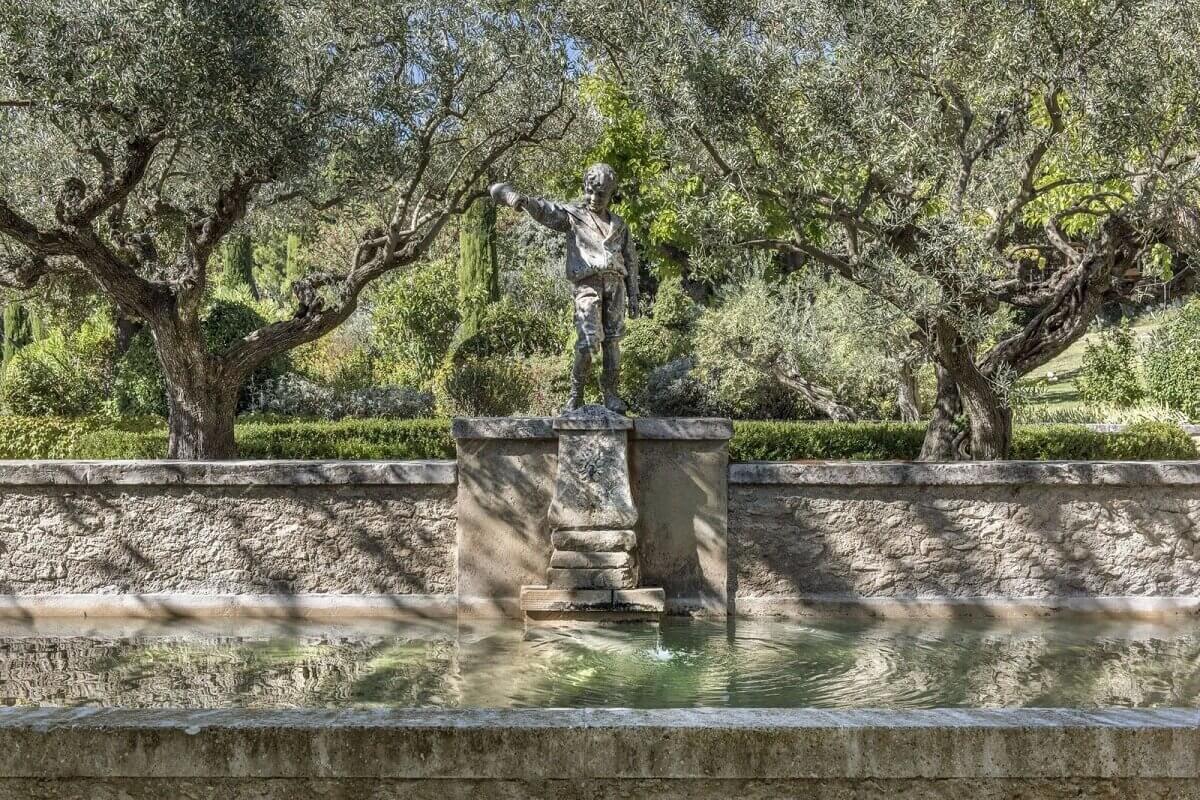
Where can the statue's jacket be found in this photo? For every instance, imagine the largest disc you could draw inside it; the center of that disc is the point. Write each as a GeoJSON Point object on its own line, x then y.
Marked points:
{"type": "Point", "coordinates": [594, 247]}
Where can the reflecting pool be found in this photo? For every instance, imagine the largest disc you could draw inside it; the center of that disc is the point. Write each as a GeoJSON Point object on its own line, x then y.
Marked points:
{"type": "Point", "coordinates": [828, 664]}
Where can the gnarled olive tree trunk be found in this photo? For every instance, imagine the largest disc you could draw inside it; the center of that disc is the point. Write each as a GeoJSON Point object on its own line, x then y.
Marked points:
{"type": "Point", "coordinates": [943, 440]}
{"type": "Point", "coordinates": [202, 395]}
{"type": "Point", "coordinates": [907, 401]}
{"type": "Point", "coordinates": [987, 408]}
{"type": "Point", "coordinates": [822, 398]}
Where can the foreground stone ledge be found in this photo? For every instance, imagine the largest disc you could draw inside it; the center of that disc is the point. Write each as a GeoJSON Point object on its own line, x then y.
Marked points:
{"type": "Point", "coordinates": [612, 744]}
{"type": "Point", "coordinates": [968, 473]}
{"type": "Point", "coordinates": [226, 473]}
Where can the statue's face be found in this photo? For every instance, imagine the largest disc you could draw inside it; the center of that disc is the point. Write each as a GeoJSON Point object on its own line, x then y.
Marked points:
{"type": "Point", "coordinates": [598, 190]}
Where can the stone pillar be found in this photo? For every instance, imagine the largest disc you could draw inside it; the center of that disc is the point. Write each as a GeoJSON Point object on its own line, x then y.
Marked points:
{"type": "Point", "coordinates": [592, 515]}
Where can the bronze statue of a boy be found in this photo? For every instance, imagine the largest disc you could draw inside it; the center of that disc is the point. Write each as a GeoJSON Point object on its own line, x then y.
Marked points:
{"type": "Point", "coordinates": [602, 264]}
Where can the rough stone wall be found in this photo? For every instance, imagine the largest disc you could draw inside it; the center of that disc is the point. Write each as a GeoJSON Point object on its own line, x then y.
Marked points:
{"type": "Point", "coordinates": [227, 539]}
{"type": "Point", "coordinates": [965, 541]}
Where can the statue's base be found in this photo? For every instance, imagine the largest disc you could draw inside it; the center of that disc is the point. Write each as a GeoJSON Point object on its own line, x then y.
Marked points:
{"type": "Point", "coordinates": [620, 605]}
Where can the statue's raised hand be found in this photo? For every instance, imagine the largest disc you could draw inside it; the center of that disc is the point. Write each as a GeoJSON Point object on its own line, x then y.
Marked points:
{"type": "Point", "coordinates": [504, 194]}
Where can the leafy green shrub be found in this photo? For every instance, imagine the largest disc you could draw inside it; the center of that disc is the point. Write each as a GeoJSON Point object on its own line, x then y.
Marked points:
{"type": "Point", "coordinates": [1145, 441]}
{"type": "Point", "coordinates": [1141, 441]}
{"type": "Point", "coordinates": [550, 379]}
{"type": "Point", "coordinates": [109, 443]}
{"type": "Point", "coordinates": [483, 387]}
{"type": "Point", "coordinates": [415, 316]}
{"type": "Point", "coordinates": [60, 375]}
{"type": "Point", "coordinates": [1172, 361]}
{"type": "Point", "coordinates": [1109, 375]}
{"type": "Point", "coordinates": [674, 390]}
{"type": "Point", "coordinates": [736, 345]}
{"type": "Point", "coordinates": [509, 329]}
{"type": "Point", "coordinates": [651, 342]}
{"type": "Point", "coordinates": [1057, 442]}
{"type": "Point", "coordinates": [138, 387]}
{"type": "Point", "coordinates": [43, 437]}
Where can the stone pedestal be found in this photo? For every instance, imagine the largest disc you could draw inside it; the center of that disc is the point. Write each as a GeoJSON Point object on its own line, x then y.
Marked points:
{"type": "Point", "coordinates": [515, 524]}
{"type": "Point", "coordinates": [592, 521]}
{"type": "Point", "coordinates": [592, 516]}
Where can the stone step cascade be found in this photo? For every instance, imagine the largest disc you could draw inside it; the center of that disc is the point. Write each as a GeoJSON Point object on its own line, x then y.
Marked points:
{"type": "Point", "coordinates": [593, 518]}
{"type": "Point", "coordinates": [593, 560]}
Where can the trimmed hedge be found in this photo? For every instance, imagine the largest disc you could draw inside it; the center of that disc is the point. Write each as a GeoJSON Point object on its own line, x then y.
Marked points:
{"type": "Point", "coordinates": [385, 439]}
{"type": "Point", "coordinates": [349, 439]}
{"type": "Point", "coordinates": [898, 441]}
{"type": "Point", "coordinates": [822, 441]}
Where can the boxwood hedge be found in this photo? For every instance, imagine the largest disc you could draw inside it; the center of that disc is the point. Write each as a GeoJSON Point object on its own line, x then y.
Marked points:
{"type": "Point", "coordinates": [48, 437]}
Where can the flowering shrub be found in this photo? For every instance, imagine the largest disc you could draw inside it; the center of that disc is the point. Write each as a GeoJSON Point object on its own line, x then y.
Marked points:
{"type": "Point", "coordinates": [292, 395]}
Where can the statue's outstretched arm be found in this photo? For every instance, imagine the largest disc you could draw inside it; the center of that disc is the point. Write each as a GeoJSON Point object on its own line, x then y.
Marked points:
{"type": "Point", "coordinates": [553, 215]}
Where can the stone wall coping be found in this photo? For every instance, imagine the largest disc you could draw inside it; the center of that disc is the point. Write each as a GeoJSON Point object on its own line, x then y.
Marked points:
{"type": "Point", "coordinates": [693, 428]}
{"type": "Point", "coordinates": [680, 428]}
{"type": "Point", "coordinates": [968, 473]}
{"type": "Point", "coordinates": [226, 473]}
{"type": "Point", "coordinates": [707, 744]}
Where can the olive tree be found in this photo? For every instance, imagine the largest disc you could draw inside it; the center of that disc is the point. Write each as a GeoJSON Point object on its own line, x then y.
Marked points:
{"type": "Point", "coordinates": [994, 170]}
{"type": "Point", "coordinates": [137, 136]}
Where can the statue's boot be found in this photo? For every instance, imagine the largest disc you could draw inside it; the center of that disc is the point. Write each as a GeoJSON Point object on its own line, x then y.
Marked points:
{"type": "Point", "coordinates": [611, 378]}
{"type": "Point", "coordinates": [579, 376]}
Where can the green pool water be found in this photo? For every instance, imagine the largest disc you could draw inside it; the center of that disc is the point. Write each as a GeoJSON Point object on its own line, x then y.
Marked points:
{"type": "Point", "coordinates": [835, 664]}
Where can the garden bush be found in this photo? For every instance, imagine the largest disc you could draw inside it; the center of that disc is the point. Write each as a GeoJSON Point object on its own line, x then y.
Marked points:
{"type": "Point", "coordinates": [61, 374]}
{"type": "Point", "coordinates": [510, 329]}
{"type": "Point", "coordinates": [1150, 440]}
{"type": "Point", "coordinates": [293, 395]}
{"type": "Point", "coordinates": [415, 315]}
{"type": "Point", "coordinates": [653, 341]}
{"type": "Point", "coordinates": [347, 439]}
{"type": "Point", "coordinates": [1172, 361]}
{"type": "Point", "coordinates": [43, 437]}
{"type": "Point", "coordinates": [1109, 375]}
{"type": "Point", "coordinates": [483, 387]}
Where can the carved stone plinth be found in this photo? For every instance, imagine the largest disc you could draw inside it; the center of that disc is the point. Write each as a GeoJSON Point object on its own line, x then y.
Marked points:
{"type": "Point", "coordinates": [592, 519]}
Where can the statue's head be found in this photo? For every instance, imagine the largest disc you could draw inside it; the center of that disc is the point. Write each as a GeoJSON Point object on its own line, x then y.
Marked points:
{"type": "Point", "coordinates": [599, 186]}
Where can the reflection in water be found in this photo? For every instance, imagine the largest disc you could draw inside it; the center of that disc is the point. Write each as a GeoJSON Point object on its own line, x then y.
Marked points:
{"type": "Point", "coordinates": [833, 664]}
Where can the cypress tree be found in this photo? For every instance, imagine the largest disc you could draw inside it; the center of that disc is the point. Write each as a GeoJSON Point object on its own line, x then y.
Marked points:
{"type": "Point", "coordinates": [478, 267]}
{"type": "Point", "coordinates": [20, 328]}
{"type": "Point", "coordinates": [238, 269]}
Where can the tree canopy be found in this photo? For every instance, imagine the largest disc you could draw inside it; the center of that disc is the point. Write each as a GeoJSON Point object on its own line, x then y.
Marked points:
{"type": "Point", "coordinates": [136, 138]}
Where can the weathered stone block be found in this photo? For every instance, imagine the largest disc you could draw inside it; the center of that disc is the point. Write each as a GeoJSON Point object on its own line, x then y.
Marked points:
{"type": "Point", "coordinates": [591, 486]}
{"type": "Point", "coordinates": [623, 578]}
{"type": "Point", "coordinates": [594, 541]}
{"type": "Point", "coordinates": [538, 598]}
{"type": "Point", "coordinates": [573, 559]}
{"type": "Point", "coordinates": [648, 600]}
